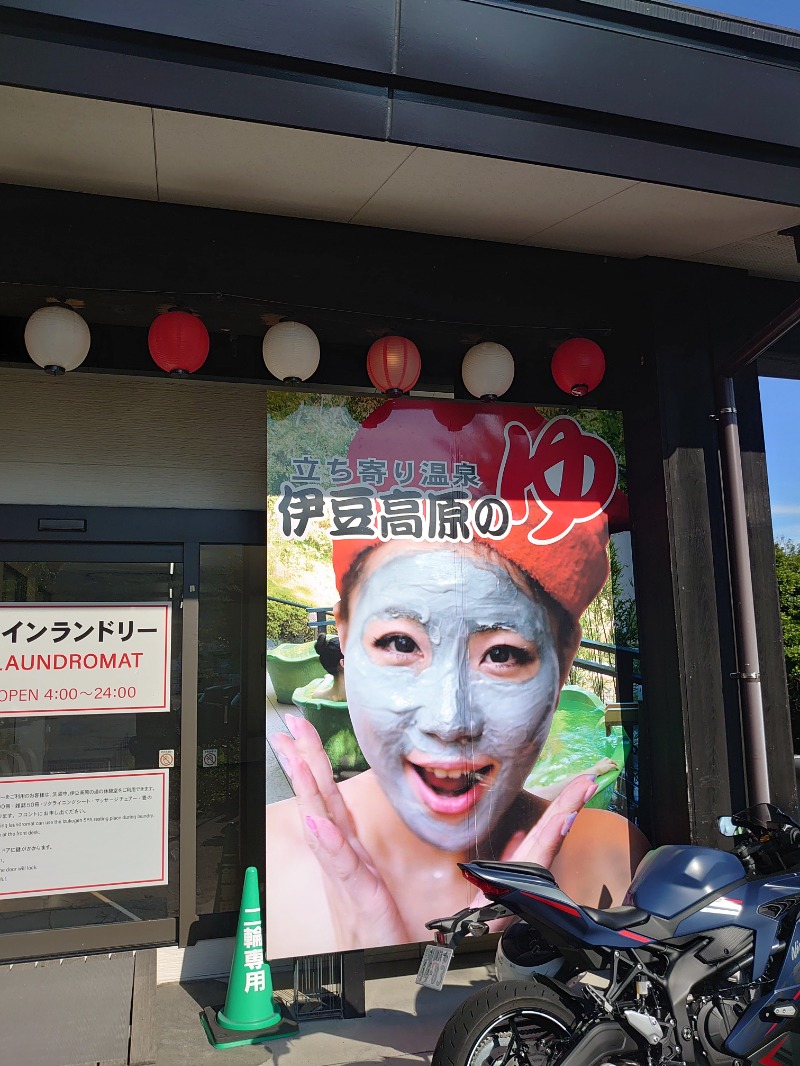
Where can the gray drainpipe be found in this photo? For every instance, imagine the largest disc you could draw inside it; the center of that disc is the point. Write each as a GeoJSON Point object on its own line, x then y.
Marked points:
{"type": "Point", "coordinates": [748, 672]}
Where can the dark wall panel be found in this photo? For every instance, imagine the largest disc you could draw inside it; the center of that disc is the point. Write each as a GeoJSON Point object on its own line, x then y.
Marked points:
{"type": "Point", "coordinates": [239, 91]}
{"type": "Point", "coordinates": [519, 51]}
{"type": "Point", "coordinates": [355, 33]}
{"type": "Point", "coordinates": [634, 152]}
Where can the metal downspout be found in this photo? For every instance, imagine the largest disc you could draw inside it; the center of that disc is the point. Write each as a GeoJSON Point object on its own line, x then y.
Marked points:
{"type": "Point", "coordinates": [748, 672]}
{"type": "Point", "coordinates": [744, 616]}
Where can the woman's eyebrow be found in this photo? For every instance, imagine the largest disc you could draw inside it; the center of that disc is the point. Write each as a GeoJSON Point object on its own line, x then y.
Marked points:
{"type": "Point", "coordinates": [403, 613]}
{"type": "Point", "coordinates": [494, 627]}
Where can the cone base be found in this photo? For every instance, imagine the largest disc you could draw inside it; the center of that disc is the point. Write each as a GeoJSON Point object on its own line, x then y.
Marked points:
{"type": "Point", "coordinates": [252, 1025]}
{"type": "Point", "coordinates": [220, 1037]}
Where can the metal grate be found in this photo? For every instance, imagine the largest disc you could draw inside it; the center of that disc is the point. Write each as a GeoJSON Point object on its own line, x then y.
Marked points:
{"type": "Point", "coordinates": [318, 988]}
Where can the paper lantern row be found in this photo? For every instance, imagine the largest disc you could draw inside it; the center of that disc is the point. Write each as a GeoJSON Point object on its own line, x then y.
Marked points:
{"type": "Point", "coordinates": [58, 339]}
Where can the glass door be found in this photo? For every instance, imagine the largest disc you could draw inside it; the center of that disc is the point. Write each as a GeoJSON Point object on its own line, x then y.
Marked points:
{"type": "Point", "coordinates": [90, 776]}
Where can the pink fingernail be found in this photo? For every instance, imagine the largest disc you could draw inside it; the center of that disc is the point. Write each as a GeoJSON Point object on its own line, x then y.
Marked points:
{"type": "Point", "coordinates": [592, 777]}
{"type": "Point", "coordinates": [567, 823]}
{"type": "Point", "coordinates": [293, 721]}
{"type": "Point", "coordinates": [286, 765]}
{"type": "Point", "coordinates": [312, 825]}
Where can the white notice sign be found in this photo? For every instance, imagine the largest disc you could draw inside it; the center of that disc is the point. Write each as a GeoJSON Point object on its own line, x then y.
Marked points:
{"type": "Point", "coordinates": [433, 968]}
{"type": "Point", "coordinates": [83, 832]}
{"type": "Point", "coordinates": [68, 658]}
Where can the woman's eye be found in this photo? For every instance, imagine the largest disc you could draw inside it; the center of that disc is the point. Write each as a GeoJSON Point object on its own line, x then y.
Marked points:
{"type": "Point", "coordinates": [398, 642]}
{"type": "Point", "coordinates": [507, 653]}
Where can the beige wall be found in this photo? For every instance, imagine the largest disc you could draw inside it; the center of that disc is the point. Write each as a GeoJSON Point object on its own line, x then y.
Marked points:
{"type": "Point", "coordinates": [107, 441]}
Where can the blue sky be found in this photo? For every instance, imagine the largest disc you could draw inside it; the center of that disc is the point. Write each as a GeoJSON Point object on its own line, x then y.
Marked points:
{"type": "Point", "coordinates": [775, 12]}
{"type": "Point", "coordinates": [780, 403]}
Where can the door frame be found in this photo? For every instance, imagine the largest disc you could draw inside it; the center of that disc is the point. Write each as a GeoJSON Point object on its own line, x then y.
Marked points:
{"type": "Point", "coordinates": [124, 534]}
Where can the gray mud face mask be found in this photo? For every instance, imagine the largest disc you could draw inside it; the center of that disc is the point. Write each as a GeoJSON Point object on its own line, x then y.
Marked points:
{"type": "Point", "coordinates": [446, 709]}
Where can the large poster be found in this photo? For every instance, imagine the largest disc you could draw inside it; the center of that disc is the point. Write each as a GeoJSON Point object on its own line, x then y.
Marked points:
{"type": "Point", "coordinates": [429, 563]}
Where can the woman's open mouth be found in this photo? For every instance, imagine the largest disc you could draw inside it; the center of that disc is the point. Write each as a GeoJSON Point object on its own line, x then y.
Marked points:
{"type": "Point", "coordinates": [453, 788]}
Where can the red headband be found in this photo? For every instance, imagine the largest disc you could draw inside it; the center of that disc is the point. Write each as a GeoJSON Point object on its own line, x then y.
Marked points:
{"type": "Point", "coordinates": [557, 481]}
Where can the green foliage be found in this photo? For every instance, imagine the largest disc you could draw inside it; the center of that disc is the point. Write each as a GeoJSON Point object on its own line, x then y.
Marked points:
{"type": "Point", "coordinates": [287, 624]}
{"type": "Point", "coordinates": [298, 424]}
{"type": "Point", "coordinates": [787, 569]}
{"type": "Point", "coordinates": [344, 752]}
{"type": "Point", "coordinates": [626, 624]}
{"type": "Point", "coordinates": [300, 570]}
{"type": "Point", "coordinates": [609, 619]}
{"type": "Point", "coordinates": [361, 406]}
{"type": "Point", "coordinates": [604, 424]}
{"type": "Point", "coordinates": [281, 404]}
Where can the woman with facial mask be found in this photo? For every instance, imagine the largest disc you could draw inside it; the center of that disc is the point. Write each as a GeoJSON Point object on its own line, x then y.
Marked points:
{"type": "Point", "coordinates": [455, 651]}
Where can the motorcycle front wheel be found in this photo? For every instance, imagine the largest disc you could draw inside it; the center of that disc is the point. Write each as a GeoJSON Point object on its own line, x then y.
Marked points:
{"type": "Point", "coordinates": [511, 1022]}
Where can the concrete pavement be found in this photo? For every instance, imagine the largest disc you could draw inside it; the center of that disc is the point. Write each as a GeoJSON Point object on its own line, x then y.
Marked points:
{"type": "Point", "coordinates": [401, 1028]}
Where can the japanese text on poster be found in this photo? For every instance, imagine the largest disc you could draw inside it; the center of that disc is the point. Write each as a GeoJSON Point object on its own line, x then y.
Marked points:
{"type": "Point", "coordinates": [67, 658]}
{"type": "Point", "coordinates": [82, 832]}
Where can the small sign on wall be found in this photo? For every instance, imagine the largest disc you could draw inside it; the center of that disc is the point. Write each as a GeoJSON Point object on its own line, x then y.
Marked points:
{"type": "Point", "coordinates": [83, 832]}
{"type": "Point", "coordinates": [68, 658]}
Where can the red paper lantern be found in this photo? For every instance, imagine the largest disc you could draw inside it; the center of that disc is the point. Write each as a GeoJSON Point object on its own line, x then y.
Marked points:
{"type": "Point", "coordinates": [178, 342]}
{"type": "Point", "coordinates": [393, 365]}
{"type": "Point", "coordinates": [578, 366]}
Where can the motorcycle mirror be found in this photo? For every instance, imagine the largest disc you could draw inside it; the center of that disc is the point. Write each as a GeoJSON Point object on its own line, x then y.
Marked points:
{"type": "Point", "coordinates": [726, 826]}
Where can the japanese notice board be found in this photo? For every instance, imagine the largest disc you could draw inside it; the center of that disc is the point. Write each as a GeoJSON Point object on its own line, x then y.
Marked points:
{"type": "Point", "coordinates": [83, 832]}
{"type": "Point", "coordinates": [68, 658]}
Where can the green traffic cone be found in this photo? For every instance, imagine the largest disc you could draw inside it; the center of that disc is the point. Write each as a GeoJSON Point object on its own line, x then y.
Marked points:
{"type": "Point", "coordinates": [251, 1014]}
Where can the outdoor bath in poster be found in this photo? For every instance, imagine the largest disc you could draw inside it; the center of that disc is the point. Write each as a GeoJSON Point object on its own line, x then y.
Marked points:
{"type": "Point", "coordinates": [456, 548]}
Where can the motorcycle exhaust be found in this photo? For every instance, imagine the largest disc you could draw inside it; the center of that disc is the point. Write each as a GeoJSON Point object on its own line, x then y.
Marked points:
{"type": "Point", "coordinates": [607, 1038]}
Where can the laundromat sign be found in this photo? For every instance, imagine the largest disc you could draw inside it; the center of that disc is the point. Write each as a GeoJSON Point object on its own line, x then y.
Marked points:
{"type": "Point", "coordinates": [68, 658]}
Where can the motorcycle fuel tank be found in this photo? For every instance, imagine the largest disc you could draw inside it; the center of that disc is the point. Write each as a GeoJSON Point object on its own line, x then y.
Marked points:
{"type": "Point", "coordinates": [677, 876]}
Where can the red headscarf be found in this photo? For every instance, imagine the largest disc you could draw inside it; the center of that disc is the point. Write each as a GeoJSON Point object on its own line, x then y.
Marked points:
{"type": "Point", "coordinates": [558, 481]}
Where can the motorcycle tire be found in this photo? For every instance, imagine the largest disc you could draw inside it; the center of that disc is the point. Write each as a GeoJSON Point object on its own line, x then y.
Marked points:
{"type": "Point", "coordinates": [480, 1031]}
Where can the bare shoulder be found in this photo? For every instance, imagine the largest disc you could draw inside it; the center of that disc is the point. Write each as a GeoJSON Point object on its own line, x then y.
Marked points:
{"type": "Point", "coordinates": [599, 858]}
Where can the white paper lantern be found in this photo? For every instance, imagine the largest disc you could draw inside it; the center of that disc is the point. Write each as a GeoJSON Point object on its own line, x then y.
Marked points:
{"type": "Point", "coordinates": [57, 338]}
{"type": "Point", "coordinates": [488, 370]}
{"type": "Point", "coordinates": [291, 351]}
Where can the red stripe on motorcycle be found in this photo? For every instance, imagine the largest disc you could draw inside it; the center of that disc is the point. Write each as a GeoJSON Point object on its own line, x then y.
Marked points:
{"type": "Point", "coordinates": [770, 1057]}
{"type": "Point", "coordinates": [552, 903]}
{"type": "Point", "coordinates": [635, 936]}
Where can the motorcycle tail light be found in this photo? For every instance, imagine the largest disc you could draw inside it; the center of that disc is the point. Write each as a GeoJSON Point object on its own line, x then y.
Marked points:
{"type": "Point", "coordinates": [489, 889]}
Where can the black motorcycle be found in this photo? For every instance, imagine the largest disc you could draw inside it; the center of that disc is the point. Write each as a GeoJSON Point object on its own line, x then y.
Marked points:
{"type": "Point", "coordinates": [701, 964]}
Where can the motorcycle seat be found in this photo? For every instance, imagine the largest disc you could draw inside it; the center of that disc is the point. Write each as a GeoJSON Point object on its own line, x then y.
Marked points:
{"type": "Point", "coordinates": [618, 917]}
{"type": "Point", "coordinates": [528, 869]}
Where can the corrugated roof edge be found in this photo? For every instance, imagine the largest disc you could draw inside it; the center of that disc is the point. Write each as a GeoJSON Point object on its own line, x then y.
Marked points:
{"type": "Point", "coordinates": [706, 20]}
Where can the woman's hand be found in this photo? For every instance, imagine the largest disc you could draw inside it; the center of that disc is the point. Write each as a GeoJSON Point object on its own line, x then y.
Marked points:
{"type": "Point", "coordinates": [543, 843]}
{"type": "Point", "coordinates": [362, 907]}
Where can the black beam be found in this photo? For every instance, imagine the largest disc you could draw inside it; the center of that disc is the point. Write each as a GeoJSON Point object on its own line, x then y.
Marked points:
{"type": "Point", "coordinates": [133, 525]}
{"type": "Point", "coordinates": [690, 728]}
{"type": "Point", "coordinates": [124, 260]}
